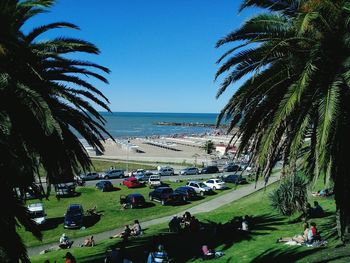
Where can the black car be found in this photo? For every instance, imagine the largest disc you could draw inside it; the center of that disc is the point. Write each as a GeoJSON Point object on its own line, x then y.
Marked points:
{"type": "Point", "coordinates": [210, 170]}
{"type": "Point", "coordinates": [187, 192]}
{"type": "Point", "coordinates": [165, 195]}
{"type": "Point", "coordinates": [74, 216]}
{"type": "Point", "coordinates": [232, 168]}
{"type": "Point", "coordinates": [105, 186]}
{"type": "Point", "coordinates": [132, 200]}
{"type": "Point", "coordinates": [234, 178]}
{"type": "Point", "coordinates": [65, 189]}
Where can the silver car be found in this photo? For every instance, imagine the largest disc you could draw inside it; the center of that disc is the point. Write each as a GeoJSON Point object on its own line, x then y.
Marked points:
{"type": "Point", "coordinates": [115, 173]}
{"type": "Point", "coordinates": [90, 176]}
{"type": "Point", "coordinates": [189, 171]}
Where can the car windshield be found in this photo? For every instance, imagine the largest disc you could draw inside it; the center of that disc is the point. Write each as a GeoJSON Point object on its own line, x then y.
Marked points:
{"type": "Point", "coordinates": [138, 198]}
{"type": "Point", "coordinates": [201, 185]}
{"type": "Point", "coordinates": [154, 179]}
{"type": "Point", "coordinates": [37, 214]}
{"type": "Point", "coordinates": [168, 190]}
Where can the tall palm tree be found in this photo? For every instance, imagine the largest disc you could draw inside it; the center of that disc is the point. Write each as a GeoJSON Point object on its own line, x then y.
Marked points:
{"type": "Point", "coordinates": [45, 102]}
{"type": "Point", "coordinates": [294, 101]}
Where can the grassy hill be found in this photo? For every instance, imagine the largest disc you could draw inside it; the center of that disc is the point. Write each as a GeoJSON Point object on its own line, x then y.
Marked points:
{"type": "Point", "coordinates": [259, 246]}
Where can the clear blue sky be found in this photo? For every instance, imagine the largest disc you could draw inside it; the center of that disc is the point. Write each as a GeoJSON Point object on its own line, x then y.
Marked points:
{"type": "Point", "coordinates": [161, 52]}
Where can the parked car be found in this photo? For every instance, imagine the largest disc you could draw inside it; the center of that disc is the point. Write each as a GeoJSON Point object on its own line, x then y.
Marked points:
{"type": "Point", "coordinates": [132, 200]}
{"type": "Point", "coordinates": [90, 176]}
{"type": "Point", "coordinates": [210, 169]}
{"type": "Point", "coordinates": [154, 181]}
{"type": "Point", "coordinates": [105, 186]}
{"type": "Point", "coordinates": [143, 177]}
{"type": "Point", "coordinates": [187, 192]}
{"type": "Point", "coordinates": [215, 184]}
{"type": "Point", "coordinates": [37, 213]}
{"type": "Point", "coordinates": [165, 195]}
{"type": "Point", "coordinates": [199, 187]}
{"type": "Point", "coordinates": [231, 167]}
{"type": "Point", "coordinates": [115, 173]}
{"type": "Point", "coordinates": [234, 178]}
{"type": "Point", "coordinates": [166, 171]}
{"type": "Point", "coordinates": [132, 182]}
{"type": "Point", "coordinates": [189, 171]}
{"type": "Point", "coordinates": [74, 216]}
{"type": "Point", "coordinates": [65, 189]}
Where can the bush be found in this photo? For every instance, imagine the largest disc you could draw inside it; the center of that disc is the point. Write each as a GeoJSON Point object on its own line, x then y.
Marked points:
{"type": "Point", "coordinates": [290, 196]}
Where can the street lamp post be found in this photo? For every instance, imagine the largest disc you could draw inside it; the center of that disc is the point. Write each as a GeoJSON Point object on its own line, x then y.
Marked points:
{"type": "Point", "coordinates": [127, 157]}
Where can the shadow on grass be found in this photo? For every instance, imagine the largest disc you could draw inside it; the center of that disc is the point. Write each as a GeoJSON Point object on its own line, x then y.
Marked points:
{"type": "Point", "coordinates": [281, 255]}
{"type": "Point", "coordinates": [186, 245]}
{"type": "Point", "coordinates": [91, 220]}
{"type": "Point", "coordinates": [51, 223]}
{"type": "Point", "coordinates": [147, 205]}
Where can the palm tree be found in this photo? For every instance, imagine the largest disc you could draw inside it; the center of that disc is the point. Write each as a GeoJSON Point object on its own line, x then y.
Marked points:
{"type": "Point", "coordinates": [209, 146]}
{"type": "Point", "coordinates": [45, 102]}
{"type": "Point", "coordinates": [293, 103]}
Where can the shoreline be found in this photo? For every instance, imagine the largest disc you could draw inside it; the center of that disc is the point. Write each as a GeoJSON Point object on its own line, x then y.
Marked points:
{"type": "Point", "coordinates": [171, 148]}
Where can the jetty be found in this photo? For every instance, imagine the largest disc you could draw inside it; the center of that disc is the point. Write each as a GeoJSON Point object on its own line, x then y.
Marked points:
{"type": "Point", "coordinates": [191, 124]}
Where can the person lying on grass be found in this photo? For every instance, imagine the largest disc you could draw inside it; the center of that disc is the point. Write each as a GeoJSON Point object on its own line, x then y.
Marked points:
{"type": "Point", "coordinates": [298, 238]}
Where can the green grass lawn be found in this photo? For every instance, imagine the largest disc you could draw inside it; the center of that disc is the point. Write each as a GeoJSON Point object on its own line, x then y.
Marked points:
{"type": "Point", "coordinates": [259, 246]}
{"type": "Point", "coordinates": [107, 203]}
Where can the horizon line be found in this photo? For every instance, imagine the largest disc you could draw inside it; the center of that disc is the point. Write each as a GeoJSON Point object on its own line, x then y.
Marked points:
{"type": "Point", "coordinates": [159, 112]}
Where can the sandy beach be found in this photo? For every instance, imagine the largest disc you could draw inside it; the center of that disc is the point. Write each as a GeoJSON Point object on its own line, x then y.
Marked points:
{"type": "Point", "coordinates": [172, 149]}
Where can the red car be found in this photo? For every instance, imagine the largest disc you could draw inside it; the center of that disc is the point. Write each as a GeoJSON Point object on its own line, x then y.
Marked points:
{"type": "Point", "coordinates": [132, 182]}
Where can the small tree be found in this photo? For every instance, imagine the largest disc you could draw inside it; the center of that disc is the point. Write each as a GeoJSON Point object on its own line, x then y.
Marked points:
{"type": "Point", "coordinates": [290, 196]}
{"type": "Point", "coordinates": [209, 146]}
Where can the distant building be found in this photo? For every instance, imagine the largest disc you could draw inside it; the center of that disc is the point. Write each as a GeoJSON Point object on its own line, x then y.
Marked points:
{"type": "Point", "coordinates": [223, 148]}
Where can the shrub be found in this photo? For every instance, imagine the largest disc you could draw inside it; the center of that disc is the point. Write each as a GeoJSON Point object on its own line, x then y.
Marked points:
{"type": "Point", "coordinates": [290, 196]}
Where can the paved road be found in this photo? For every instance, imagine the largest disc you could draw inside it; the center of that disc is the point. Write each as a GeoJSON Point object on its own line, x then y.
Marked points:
{"type": "Point", "coordinates": [169, 178]}
{"type": "Point", "coordinates": [200, 208]}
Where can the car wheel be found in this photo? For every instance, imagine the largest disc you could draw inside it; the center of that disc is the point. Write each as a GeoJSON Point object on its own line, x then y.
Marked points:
{"type": "Point", "coordinates": [172, 174]}
{"type": "Point", "coordinates": [184, 174]}
{"type": "Point", "coordinates": [106, 177]}
{"type": "Point", "coordinates": [214, 188]}
{"type": "Point", "coordinates": [150, 198]}
{"type": "Point", "coordinates": [162, 202]}
{"type": "Point", "coordinates": [201, 193]}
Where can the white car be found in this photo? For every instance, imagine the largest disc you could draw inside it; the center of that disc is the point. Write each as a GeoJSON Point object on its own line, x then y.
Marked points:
{"type": "Point", "coordinates": [199, 187]}
{"type": "Point", "coordinates": [37, 213]}
{"type": "Point", "coordinates": [216, 184]}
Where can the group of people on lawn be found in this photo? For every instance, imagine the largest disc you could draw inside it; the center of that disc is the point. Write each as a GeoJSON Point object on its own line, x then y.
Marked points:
{"type": "Point", "coordinates": [191, 224]}
{"type": "Point", "coordinates": [310, 233]}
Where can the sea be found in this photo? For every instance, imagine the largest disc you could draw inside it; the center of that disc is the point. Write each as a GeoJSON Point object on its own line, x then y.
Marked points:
{"type": "Point", "coordinates": [144, 124]}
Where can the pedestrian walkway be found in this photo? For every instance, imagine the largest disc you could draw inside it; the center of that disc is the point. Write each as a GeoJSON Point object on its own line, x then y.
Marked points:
{"type": "Point", "coordinates": [200, 208]}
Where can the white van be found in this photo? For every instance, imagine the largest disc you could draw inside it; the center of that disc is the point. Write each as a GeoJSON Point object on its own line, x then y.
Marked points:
{"type": "Point", "coordinates": [37, 213]}
{"type": "Point", "coordinates": [154, 181]}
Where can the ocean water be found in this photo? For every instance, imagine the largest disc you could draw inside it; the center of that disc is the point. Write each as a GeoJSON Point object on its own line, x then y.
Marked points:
{"type": "Point", "coordinates": [142, 124]}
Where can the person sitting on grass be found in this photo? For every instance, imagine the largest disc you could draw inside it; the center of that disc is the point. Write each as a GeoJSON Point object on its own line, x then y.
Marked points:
{"type": "Point", "coordinates": [136, 229]}
{"type": "Point", "coordinates": [210, 253]}
{"type": "Point", "coordinates": [159, 256]}
{"type": "Point", "coordinates": [318, 210]}
{"type": "Point", "coordinates": [175, 224]}
{"type": "Point", "coordinates": [125, 234]}
{"type": "Point", "coordinates": [313, 234]}
{"type": "Point", "coordinates": [64, 242]}
{"type": "Point", "coordinates": [89, 242]}
{"type": "Point", "coordinates": [299, 239]}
